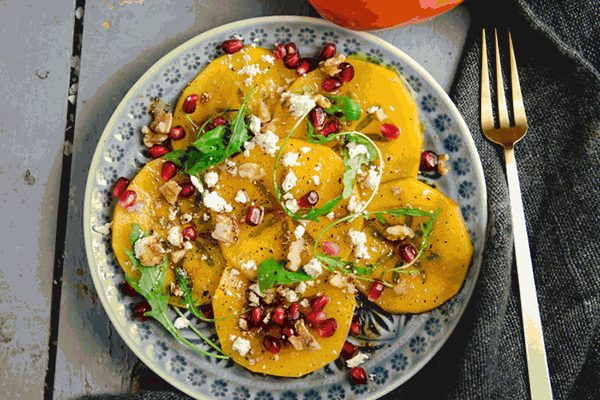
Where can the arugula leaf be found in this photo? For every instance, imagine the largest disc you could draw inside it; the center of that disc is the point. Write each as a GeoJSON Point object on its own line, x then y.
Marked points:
{"type": "Point", "coordinates": [349, 108]}
{"type": "Point", "coordinates": [136, 233]}
{"type": "Point", "coordinates": [352, 166]}
{"type": "Point", "coordinates": [211, 140]}
{"type": "Point", "coordinates": [343, 266]}
{"type": "Point", "coordinates": [314, 213]}
{"type": "Point", "coordinates": [271, 272]}
{"type": "Point", "coordinates": [402, 212]}
{"type": "Point", "coordinates": [239, 129]}
{"type": "Point", "coordinates": [175, 157]}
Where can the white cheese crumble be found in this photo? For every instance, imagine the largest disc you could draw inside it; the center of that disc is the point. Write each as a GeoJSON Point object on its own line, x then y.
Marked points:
{"type": "Point", "coordinates": [354, 205]}
{"type": "Point", "coordinates": [357, 360]}
{"type": "Point", "coordinates": [290, 159]}
{"type": "Point", "coordinates": [290, 295]}
{"type": "Point", "coordinates": [299, 231]}
{"type": "Point", "coordinates": [305, 303]}
{"type": "Point", "coordinates": [216, 203]}
{"type": "Point", "coordinates": [356, 149]}
{"type": "Point", "coordinates": [187, 245]}
{"type": "Point", "coordinates": [250, 70]}
{"type": "Point", "coordinates": [289, 181]}
{"type": "Point", "coordinates": [292, 205]}
{"type": "Point", "coordinates": [331, 215]}
{"type": "Point", "coordinates": [380, 114]}
{"type": "Point", "coordinates": [301, 288]}
{"type": "Point", "coordinates": [372, 110]}
{"type": "Point", "coordinates": [267, 142]}
{"type": "Point", "coordinates": [197, 184]}
{"type": "Point", "coordinates": [172, 214]}
{"type": "Point", "coordinates": [359, 241]}
{"type": "Point", "coordinates": [299, 104]}
{"type": "Point", "coordinates": [254, 124]}
{"type": "Point", "coordinates": [248, 81]}
{"type": "Point", "coordinates": [249, 267]}
{"type": "Point", "coordinates": [247, 57]}
{"type": "Point", "coordinates": [313, 268]}
{"type": "Point", "coordinates": [181, 323]}
{"type": "Point", "coordinates": [372, 179]}
{"type": "Point", "coordinates": [211, 178]}
{"type": "Point", "coordinates": [305, 149]}
{"type": "Point", "coordinates": [241, 197]}
{"type": "Point", "coordinates": [316, 180]}
{"type": "Point", "coordinates": [268, 58]}
{"type": "Point", "coordinates": [241, 345]}
{"type": "Point", "coordinates": [175, 237]}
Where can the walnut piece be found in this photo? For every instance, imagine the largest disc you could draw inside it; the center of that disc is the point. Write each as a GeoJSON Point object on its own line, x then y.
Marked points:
{"type": "Point", "coordinates": [263, 112]}
{"type": "Point", "coordinates": [343, 282]}
{"type": "Point", "coordinates": [205, 97]}
{"type": "Point", "coordinates": [443, 167]}
{"type": "Point", "coordinates": [149, 251]}
{"type": "Point", "coordinates": [251, 171]}
{"type": "Point", "coordinates": [304, 340]}
{"type": "Point", "coordinates": [151, 138]}
{"type": "Point", "coordinates": [330, 66]}
{"type": "Point", "coordinates": [226, 229]}
{"type": "Point", "coordinates": [162, 122]}
{"type": "Point", "coordinates": [170, 191]}
{"type": "Point", "coordinates": [178, 255]}
{"type": "Point", "coordinates": [398, 232]}
{"type": "Point", "coordinates": [403, 287]}
{"type": "Point", "coordinates": [296, 248]}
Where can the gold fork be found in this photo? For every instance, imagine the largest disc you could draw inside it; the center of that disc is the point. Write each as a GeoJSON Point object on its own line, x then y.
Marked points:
{"type": "Point", "coordinates": [507, 135]}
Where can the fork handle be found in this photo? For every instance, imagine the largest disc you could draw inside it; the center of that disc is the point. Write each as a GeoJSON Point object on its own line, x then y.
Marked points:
{"type": "Point", "coordinates": [537, 364]}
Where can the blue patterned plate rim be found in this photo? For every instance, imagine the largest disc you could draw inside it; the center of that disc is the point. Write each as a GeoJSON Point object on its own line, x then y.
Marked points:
{"type": "Point", "coordinates": [130, 96]}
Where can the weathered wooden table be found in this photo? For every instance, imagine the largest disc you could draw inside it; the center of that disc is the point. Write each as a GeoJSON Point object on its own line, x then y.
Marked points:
{"type": "Point", "coordinates": [64, 68]}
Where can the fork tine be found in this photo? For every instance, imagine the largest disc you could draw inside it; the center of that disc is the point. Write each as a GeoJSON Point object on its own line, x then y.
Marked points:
{"type": "Point", "coordinates": [518, 106]}
{"type": "Point", "coordinates": [487, 117]}
{"type": "Point", "coordinates": [502, 110]}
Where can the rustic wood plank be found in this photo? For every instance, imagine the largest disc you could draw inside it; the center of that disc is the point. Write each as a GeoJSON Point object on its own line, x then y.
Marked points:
{"type": "Point", "coordinates": [35, 62]}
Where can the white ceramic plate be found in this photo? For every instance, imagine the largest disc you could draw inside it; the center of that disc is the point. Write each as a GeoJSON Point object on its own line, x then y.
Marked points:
{"type": "Point", "coordinates": [405, 343]}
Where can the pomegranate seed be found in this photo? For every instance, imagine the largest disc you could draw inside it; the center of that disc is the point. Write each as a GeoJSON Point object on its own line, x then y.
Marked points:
{"type": "Point", "coordinates": [309, 199]}
{"type": "Point", "coordinates": [279, 51]}
{"type": "Point", "coordinates": [331, 248]}
{"type": "Point", "coordinates": [257, 315]}
{"type": "Point", "coordinates": [375, 290]}
{"type": "Point", "coordinates": [190, 103]}
{"type": "Point", "coordinates": [232, 46]}
{"type": "Point", "coordinates": [319, 302]}
{"type": "Point", "coordinates": [347, 72]}
{"type": "Point", "coordinates": [254, 216]}
{"type": "Point", "coordinates": [128, 199]}
{"type": "Point", "coordinates": [316, 317]}
{"type": "Point", "coordinates": [407, 251]}
{"type": "Point", "coordinates": [141, 308]}
{"type": "Point", "coordinates": [272, 344]}
{"type": "Point", "coordinates": [208, 311]}
{"type": "Point", "coordinates": [327, 328]}
{"type": "Point", "coordinates": [293, 312]}
{"type": "Point", "coordinates": [291, 48]}
{"type": "Point", "coordinates": [218, 121]}
{"type": "Point", "coordinates": [356, 326]}
{"type": "Point", "coordinates": [168, 171]}
{"type": "Point", "coordinates": [187, 190]}
{"type": "Point", "coordinates": [327, 52]}
{"type": "Point", "coordinates": [389, 131]}
{"type": "Point", "coordinates": [358, 375]}
{"type": "Point", "coordinates": [287, 332]}
{"type": "Point", "coordinates": [128, 290]}
{"type": "Point", "coordinates": [349, 350]}
{"type": "Point", "coordinates": [291, 60]}
{"type": "Point", "coordinates": [278, 315]}
{"type": "Point", "coordinates": [331, 84]}
{"type": "Point", "coordinates": [158, 150]}
{"type": "Point", "coordinates": [429, 161]}
{"type": "Point", "coordinates": [303, 66]}
{"type": "Point", "coordinates": [177, 133]}
{"type": "Point", "coordinates": [119, 187]}
{"type": "Point", "coordinates": [189, 233]}
{"type": "Point", "coordinates": [332, 126]}
{"type": "Point", "coordinates": [317, 117]}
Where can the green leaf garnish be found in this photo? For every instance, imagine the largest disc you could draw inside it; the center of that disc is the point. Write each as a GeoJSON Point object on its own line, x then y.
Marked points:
{"type": "Point", "coordinates": [337, 264]}
{"type": "Point", "coordinates": [271, 272]}
{"type": "Point", "coordinates": [348, 108]}
{"type": "Point", "coordinates": [317, 212]}
{"type": "Point", "coordinates": [352, 166]}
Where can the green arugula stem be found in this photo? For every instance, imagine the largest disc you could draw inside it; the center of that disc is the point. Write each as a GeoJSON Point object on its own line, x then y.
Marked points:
{"type": "Point", "coordinates": [192, 122]}
{"type": "Point", "coordinates": [200, 334]}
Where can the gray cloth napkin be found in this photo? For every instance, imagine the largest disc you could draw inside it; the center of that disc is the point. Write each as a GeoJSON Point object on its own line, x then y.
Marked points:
{"type": "Point", "coordinates": [557, 46]}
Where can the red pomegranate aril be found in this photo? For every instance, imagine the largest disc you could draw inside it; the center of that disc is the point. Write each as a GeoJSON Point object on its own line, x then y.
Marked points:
{"type": "Point", "coordinates": [332, 126]}
{"type": "Point", "coordinates": [429, 161]}
{"type": "Point", "coordinates": [272, 344]}
{"type": "Point", "coordinates": [141, 308]}
{"type": "Point", "coordinates": [190, 103]}
{"type": "Point", "coordinates": [375, 290]}
{"type": "Point", "coordinates": [349, 350]}
{"type": "Point", "coordinates": [407, 251]}
{"type": "Point", "coordinates": [158, 150]}
{"type": "Point", "coordinates": [128, 290]}
{"type": "Point", "coordinates": [303, 66]}
{"type": "Point", "coordinates": [278, 315]}
{"type": "Point", "coordinates": [187, 190]}
{"type": "Point", "coordinates": [168, 170]}
{"type": "Point", "coordinates": [309, 199]}
{"type": "Point", "coordinates": [327, 328]}
{"type": "Point", "coordinates": [293, 312]}
{"type": "Point", "coordinates": [119, 187]}
{"type": "Point", "coordinates": [291, 60]}
{"type": "Point", "coordinates": [208, 312]}
{"type": "Point", "coordinates": [189, 233]}
{"type": "Point", "coordinates": [327, 52]}
{"type": "Point", "coordinates": [316, 317]}
{"type": "Point", "coordinates": [291, 48]}
{"type": "Point", "coordinates": [331, 84]}
{"type": "Point", "coordinates": [218, 121]}
{"type": "Point", "coordinates": [257, 315]}
{"type": "Point", "coordinates": [331, 248]}
{"type": "Point", "coordinates": [356, 326]}
{"type": "Point", "coordinates": [128, 199]}
{"type": "Point", "coordinates": [358, 375]}
{"type": "Point", "coordinates": [389, 131]}
{"type": "Point", "coordinates": [177, 133]}
{"type": "Point", "coordinates": [254, 216]}
{"type": "Point", "coordinates": [317, 117]}
{"type": "Point", "coordinates": [319, 302]}
{"type": "Point", "coordinates": [232, 46]}
{"type": "Point", "coordinates": [346, 73]}
{"type": "Point", "coordinates": [287, 332]}
{"type": "Point", "coordinates": [279, 51]}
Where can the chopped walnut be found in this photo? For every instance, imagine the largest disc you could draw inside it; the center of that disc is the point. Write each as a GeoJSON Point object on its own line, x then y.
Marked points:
{"type": "Point", "coordinates": [170, 191]}
{"type": "Point", "coordinates": [381, 115]}
{"type": "Point", "coordinates": [205, 97]}
{"type": "Point", "coordinates": [343, 282]}
{"type": "Point", "coordinates": [263, 112]}
{"type": "Point", "coordinates": [398, 232]}
{"type": "Point", "coordinates": [151, 138]}
{"type": "Point", "coordinates": [321, 101]}
{"type": "Point", "coordinates": [178, 255]}
{"type": "Point", "coordinates": [243, 324]}
{"type": "Point", "coordinates": [296, 248]}
{"type": "Point", "coordinates": [149, 251]}
{"type": "Point", "coordinates": [162, 122]}
{"type": "Point", "coordinates": [175, 290]}
{"type": "Point", "coordinates": [269, 295]}
{"type": "Point", "coordinates": [304, 340]}
{"type": "Point", "coordinates": [226, 229]}
{"type": "Point", "coordinates": [443, 167]}
{"type": "Point", "coordinates": [396, 190]}
{"type": "Point", "coordinates": [330, 66]}
{"type": "Point", "coordinates": [269, 126]}
{"type": "Point", "coordinates": [251, 171]}
{"type": "Point", "coordinates": [403, 287]}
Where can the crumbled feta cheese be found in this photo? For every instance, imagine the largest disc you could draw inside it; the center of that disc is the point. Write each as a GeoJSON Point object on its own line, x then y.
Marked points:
{"type": "Point", "coordinates": [197, 184]}
{"type": "Point", "coordinates": [299, 231]}
{"type": "Point", "coordinates": [205, 217]}
{"type": "Point", "coordinates": [249, 267]}
{"type": "Point", "coordinates": [253, 299]}
{"type": "Point", "coordinates": [185, 218]}
{"type": "Point", "coordinates": [287, 196]}
{"type": "Point", "coordinates": [267, 142]}
{"type": "Point", "coordinates": [372, 110]}
{"type": "Point", "coordinates": [241, 345]}
{"type": "Point", "coordinates": [292, 205]}
{"type": "Point", "coordinates": [249, 145]}
{"type": "Point", "coordinates": [372, 180]}
{"type": "Point", "coordinates": [241, 197]}
{"type": "Point", "coordinates": [268, 58]}
{"type": "Point", "coordinates": [357, 360]}
{"type": "Point", "coordinates": [181, 323]}
{"type": "Point", "coordinates": [331, 215]}
{"type": "Point", "coordinates": [255, 288]}
{"type": "Point", "coordinates": [248, 81]}
{"type": "Point", "coordinates": [359, 241]}
{"type": "Point", "coordinates": [316, 179]}
{"type": "Point", "coordinates": [172, 214]}
{"type": "Point", "coordinates": [187, 245]}
{"type": "Point", "coordinates": [216, 203]}
{"type": "Point", "coordinates": [254, 124]}
{"type": "Point", "coordinates": [304, 302]}
{"type": "Point", "coordinates": [289, 181]}
{"type": "Point", "coordinates": [294, 254]}
{"type": "Point", "coordinates": [313, 268]}
{"type": "Point", "coordinates": [299, 104]}
{"type": "Point", "coordinates": [355, 149]}
{"type": "Point", "coordinates": [175, 237]}
{"type": "Point", "coordinates": [290, 159]}
{"type": "Point", "coordinates": [380, 114]}
{"type": "Point", "coordinates": [354, 205]}
{"type": "Point", "coordinates": [305, 149]}
{"type": "Point", "coordinates": [211, 178]}
{"type": "Point", "coordinates": [290, 295]}
{"type": "Point", "coordinates": [301, 288]}
{"type": "Point", "coordinates": [250, 70]}
{"type": "Point", "coordinates": [247, 57]}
